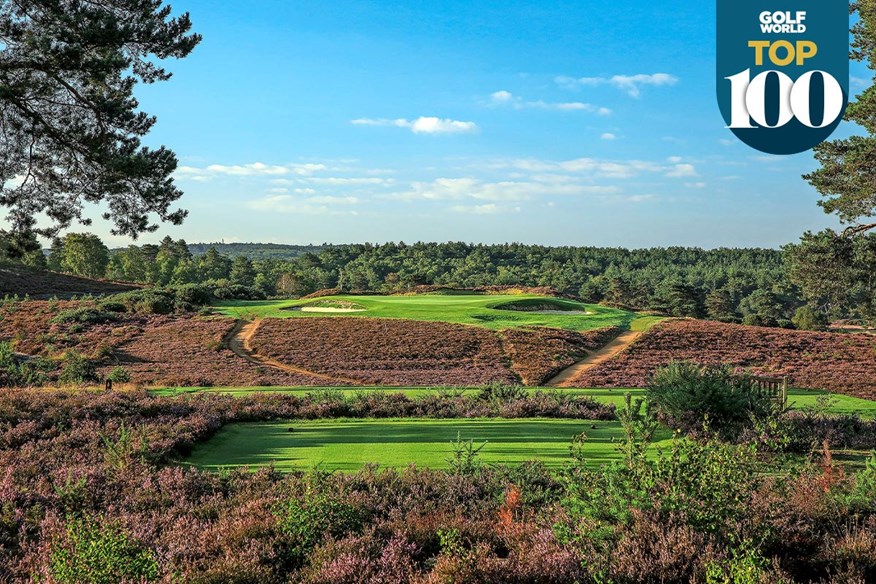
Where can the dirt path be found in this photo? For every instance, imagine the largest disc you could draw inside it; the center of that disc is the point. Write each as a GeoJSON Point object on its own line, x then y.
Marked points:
{"type": "Point", "coordinates": [238, 340]}
{"type": "Point", "coordinates": [564, 378]}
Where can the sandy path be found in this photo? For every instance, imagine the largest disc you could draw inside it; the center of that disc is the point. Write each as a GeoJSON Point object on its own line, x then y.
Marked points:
{"type": "Point", "coordinates": [238, 340]}
{"type": "Point", "coordinates": [565, 377]}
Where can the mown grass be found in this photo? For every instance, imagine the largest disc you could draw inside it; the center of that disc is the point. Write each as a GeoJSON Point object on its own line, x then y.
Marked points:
{"type": "Point", "coordinates": [798, 399]}
{"type": "Point", "coordinates": [472, 309]}
{"type": "Point", "coordinates": [346, 445]}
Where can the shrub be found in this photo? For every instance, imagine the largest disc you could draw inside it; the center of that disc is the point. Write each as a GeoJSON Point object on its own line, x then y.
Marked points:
{"type": "Point", "coordinates": [86, 315]}
{"type": "Point", "coordinates": [100, 554]}
{"type": "Point", "coordinates": [146, 301]}
{"type": "Point", "coordinates": [685, 394]}
{"type": "Point", "coordinates": [319, 515]}
{"type": "Point", "coordinates": [807, 318]}
{"type": "Point", "coordinates": [238, 292]}
{"type": "Point", "coordinates": [501, 392]}
{"type": "Point", "coordinates": [192, 294]}
{"type": "Point", "coordinates": [119, 375]}
{"type": "Point", "coordinates": [110, 306]}
{"type": "Point", "coordinates": [77, 370]}
{"type": "Point", "coordinates": [15, 373]}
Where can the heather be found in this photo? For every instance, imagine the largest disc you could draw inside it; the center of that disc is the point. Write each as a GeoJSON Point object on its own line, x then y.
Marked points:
{"type": "Point", "coordinates": [90, 492]}
{"type": "Point", "coordinates": [839, 362]}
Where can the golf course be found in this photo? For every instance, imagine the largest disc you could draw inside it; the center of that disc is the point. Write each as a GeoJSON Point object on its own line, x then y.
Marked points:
{"type": "Point", "coordinates": [486, 310]}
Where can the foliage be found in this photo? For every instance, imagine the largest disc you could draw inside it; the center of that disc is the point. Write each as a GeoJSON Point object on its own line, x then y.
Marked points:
{"type": "Point", "coordinates": [82, 254]}
{"type": "Point", "coordinates": [464, 460]}
{"type": "Point", "coordinates": [119, 375]}
{"type": "Point", "coordinates": [17, 373]}
{"type": "Point", "coordinates": [685, 394]}
{"type": "Point", "coordinates": [698, 511]}
{"type": "Point", "coordinates": [845, 177]}
{"type": "Point", "coordinates": [807, 318]}
{"type": "Point", "coordinates": [93, 552]}
{"type": "Point", "coordinates": [69, 118]}
{"type": "Point", "coordinates": [674, 280]}
{"type": "Point", "coordinates": [84, 315]}
{"type": "Point", "coordinates": [77, 370]}
{"type": "Point", "coordinates": [307, 520]}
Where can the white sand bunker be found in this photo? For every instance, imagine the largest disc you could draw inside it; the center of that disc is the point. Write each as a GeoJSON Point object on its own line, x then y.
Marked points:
{"type": "Point", "coordinates": [325, 309]}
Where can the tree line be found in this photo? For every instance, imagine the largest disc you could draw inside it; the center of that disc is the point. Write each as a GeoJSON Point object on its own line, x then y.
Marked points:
{"type": "Point", "coordinates": [733, 285]}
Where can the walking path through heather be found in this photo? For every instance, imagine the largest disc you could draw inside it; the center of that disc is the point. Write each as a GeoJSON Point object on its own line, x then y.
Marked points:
{"type": "Point", "coordinates": [238, 340]}
{"type": "Point", "coordinates": [566, 377]}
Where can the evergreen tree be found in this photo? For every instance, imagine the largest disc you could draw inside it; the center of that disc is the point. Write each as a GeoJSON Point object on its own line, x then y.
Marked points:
{"type": "Point", "coordinates": [70, 129]}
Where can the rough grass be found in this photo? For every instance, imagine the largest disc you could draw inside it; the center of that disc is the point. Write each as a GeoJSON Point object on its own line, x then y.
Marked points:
{"type": "Point", "coordinates": [347, 445]}
{"type": "Point", "coordinates": [472, 309]}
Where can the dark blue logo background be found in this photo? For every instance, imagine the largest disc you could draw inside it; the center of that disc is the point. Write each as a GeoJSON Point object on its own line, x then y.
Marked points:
{"type": "Point", "coordinates": [783, 71]}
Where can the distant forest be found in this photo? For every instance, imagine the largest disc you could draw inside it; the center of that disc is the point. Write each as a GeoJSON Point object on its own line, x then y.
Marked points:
{"type": "Point", "coordinates": [258, 251]}
{"type": "Point", "coordinates": [733, 285]}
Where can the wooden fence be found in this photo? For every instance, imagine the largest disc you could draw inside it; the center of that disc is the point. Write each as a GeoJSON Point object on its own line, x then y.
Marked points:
{"type": "Point", "coordinates": [774, 387]}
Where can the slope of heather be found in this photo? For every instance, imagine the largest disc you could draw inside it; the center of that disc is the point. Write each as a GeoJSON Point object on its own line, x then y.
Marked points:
{"type": "Point", "coordinates": [36, 283]}
{"type": "Point", "coordinates": [386, 351]}
{"type": "Point", "coordinates": [844, 363]}
{"type": "Point", "coordinates": [539, 353]}
{"type": "Point", "coordinates": [180, 349]}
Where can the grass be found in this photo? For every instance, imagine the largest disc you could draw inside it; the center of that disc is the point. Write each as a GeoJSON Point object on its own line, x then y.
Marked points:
{"type": "Point", "coordinates": [472, 309]}
{"type": "Point", "coordinates": [797, 398]}
{"type": "Point", "coordinates": [347, 445]}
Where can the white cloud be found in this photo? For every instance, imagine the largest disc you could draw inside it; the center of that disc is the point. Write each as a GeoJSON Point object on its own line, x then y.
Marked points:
{"type": "Point", "coordinates": [682, 170]}
{"type": "Point", "coordinates": [422, 125]}
{"type": "Point", "coordinates": [596, 168]}
{"type": "Point", "coordinates": [248, 170]}
{"type": "Point", "coordinates": [331, 200]}
{"type": "Point", "coordinates": [506, 98]}
{"type": "Point", "coordinates": [608, 136]}
{"type": "Point", "coordinates": [696, 185]}
{"type": "Point", "coordinates": [632, 84]}
{"type": "Point", "coordinates": [334, 180]}
{"type": "Point", "coordinates": [319, 205]}
{"type": "Point", "coordinates": [473, 188]}
{"type": "Point", "coordinates": [487, 209]}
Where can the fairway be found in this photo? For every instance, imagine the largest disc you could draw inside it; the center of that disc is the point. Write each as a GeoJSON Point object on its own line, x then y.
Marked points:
{"type": "Point", "coordinates": [798, 399]}
{"type": "Point", "coordinates": [474, 309]}
{"type": "Point", "coordinates": [347, 445]}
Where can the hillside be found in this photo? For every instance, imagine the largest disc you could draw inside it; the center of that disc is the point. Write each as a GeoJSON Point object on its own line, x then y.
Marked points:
{"type": "Point", "coordinates": [36, 283]}
{"type": "Point", "coordinates": [840, 362]}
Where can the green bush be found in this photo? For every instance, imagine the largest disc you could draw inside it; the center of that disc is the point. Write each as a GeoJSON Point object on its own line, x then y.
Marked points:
{"type": "Point", "coordinates": [16, 373]}
{"type": "Point", "coordinates": [100, 554]}
{"type": "Point", "coordinates": [85, 315]}
{"type": "Point", "coordinates": [238, 292]}
{"type": "Point", "coordinates": [192, 294]}
{"type": "Point", "coordinates": [119, 375]}
{"type": "Point", "coordinates": [807, 318]}
{"type": "Point", "coordinates": [110, 306]}
{"type": "Point", "coordinates": [685, 394]}
{"type": "Point", "coordinates": [77, 370]}
{"type": "Point", "coordinates": [305, 522]}
{"type": "Point", "coordinates": [146, 301]}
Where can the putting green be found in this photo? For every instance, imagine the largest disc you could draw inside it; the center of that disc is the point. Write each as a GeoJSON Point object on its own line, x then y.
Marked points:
{"type": "Point", "coordinates": [347, 445]}
{"type": "Point", "coordinates": [475, 309]}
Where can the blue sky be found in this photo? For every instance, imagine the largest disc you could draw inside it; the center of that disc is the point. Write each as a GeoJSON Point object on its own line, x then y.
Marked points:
{"type": "Point", "coordinates": [575, 122]}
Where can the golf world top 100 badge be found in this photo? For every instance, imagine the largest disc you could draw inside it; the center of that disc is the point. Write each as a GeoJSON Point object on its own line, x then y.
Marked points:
{"type": "Point", "coordinates": [783, 71]}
